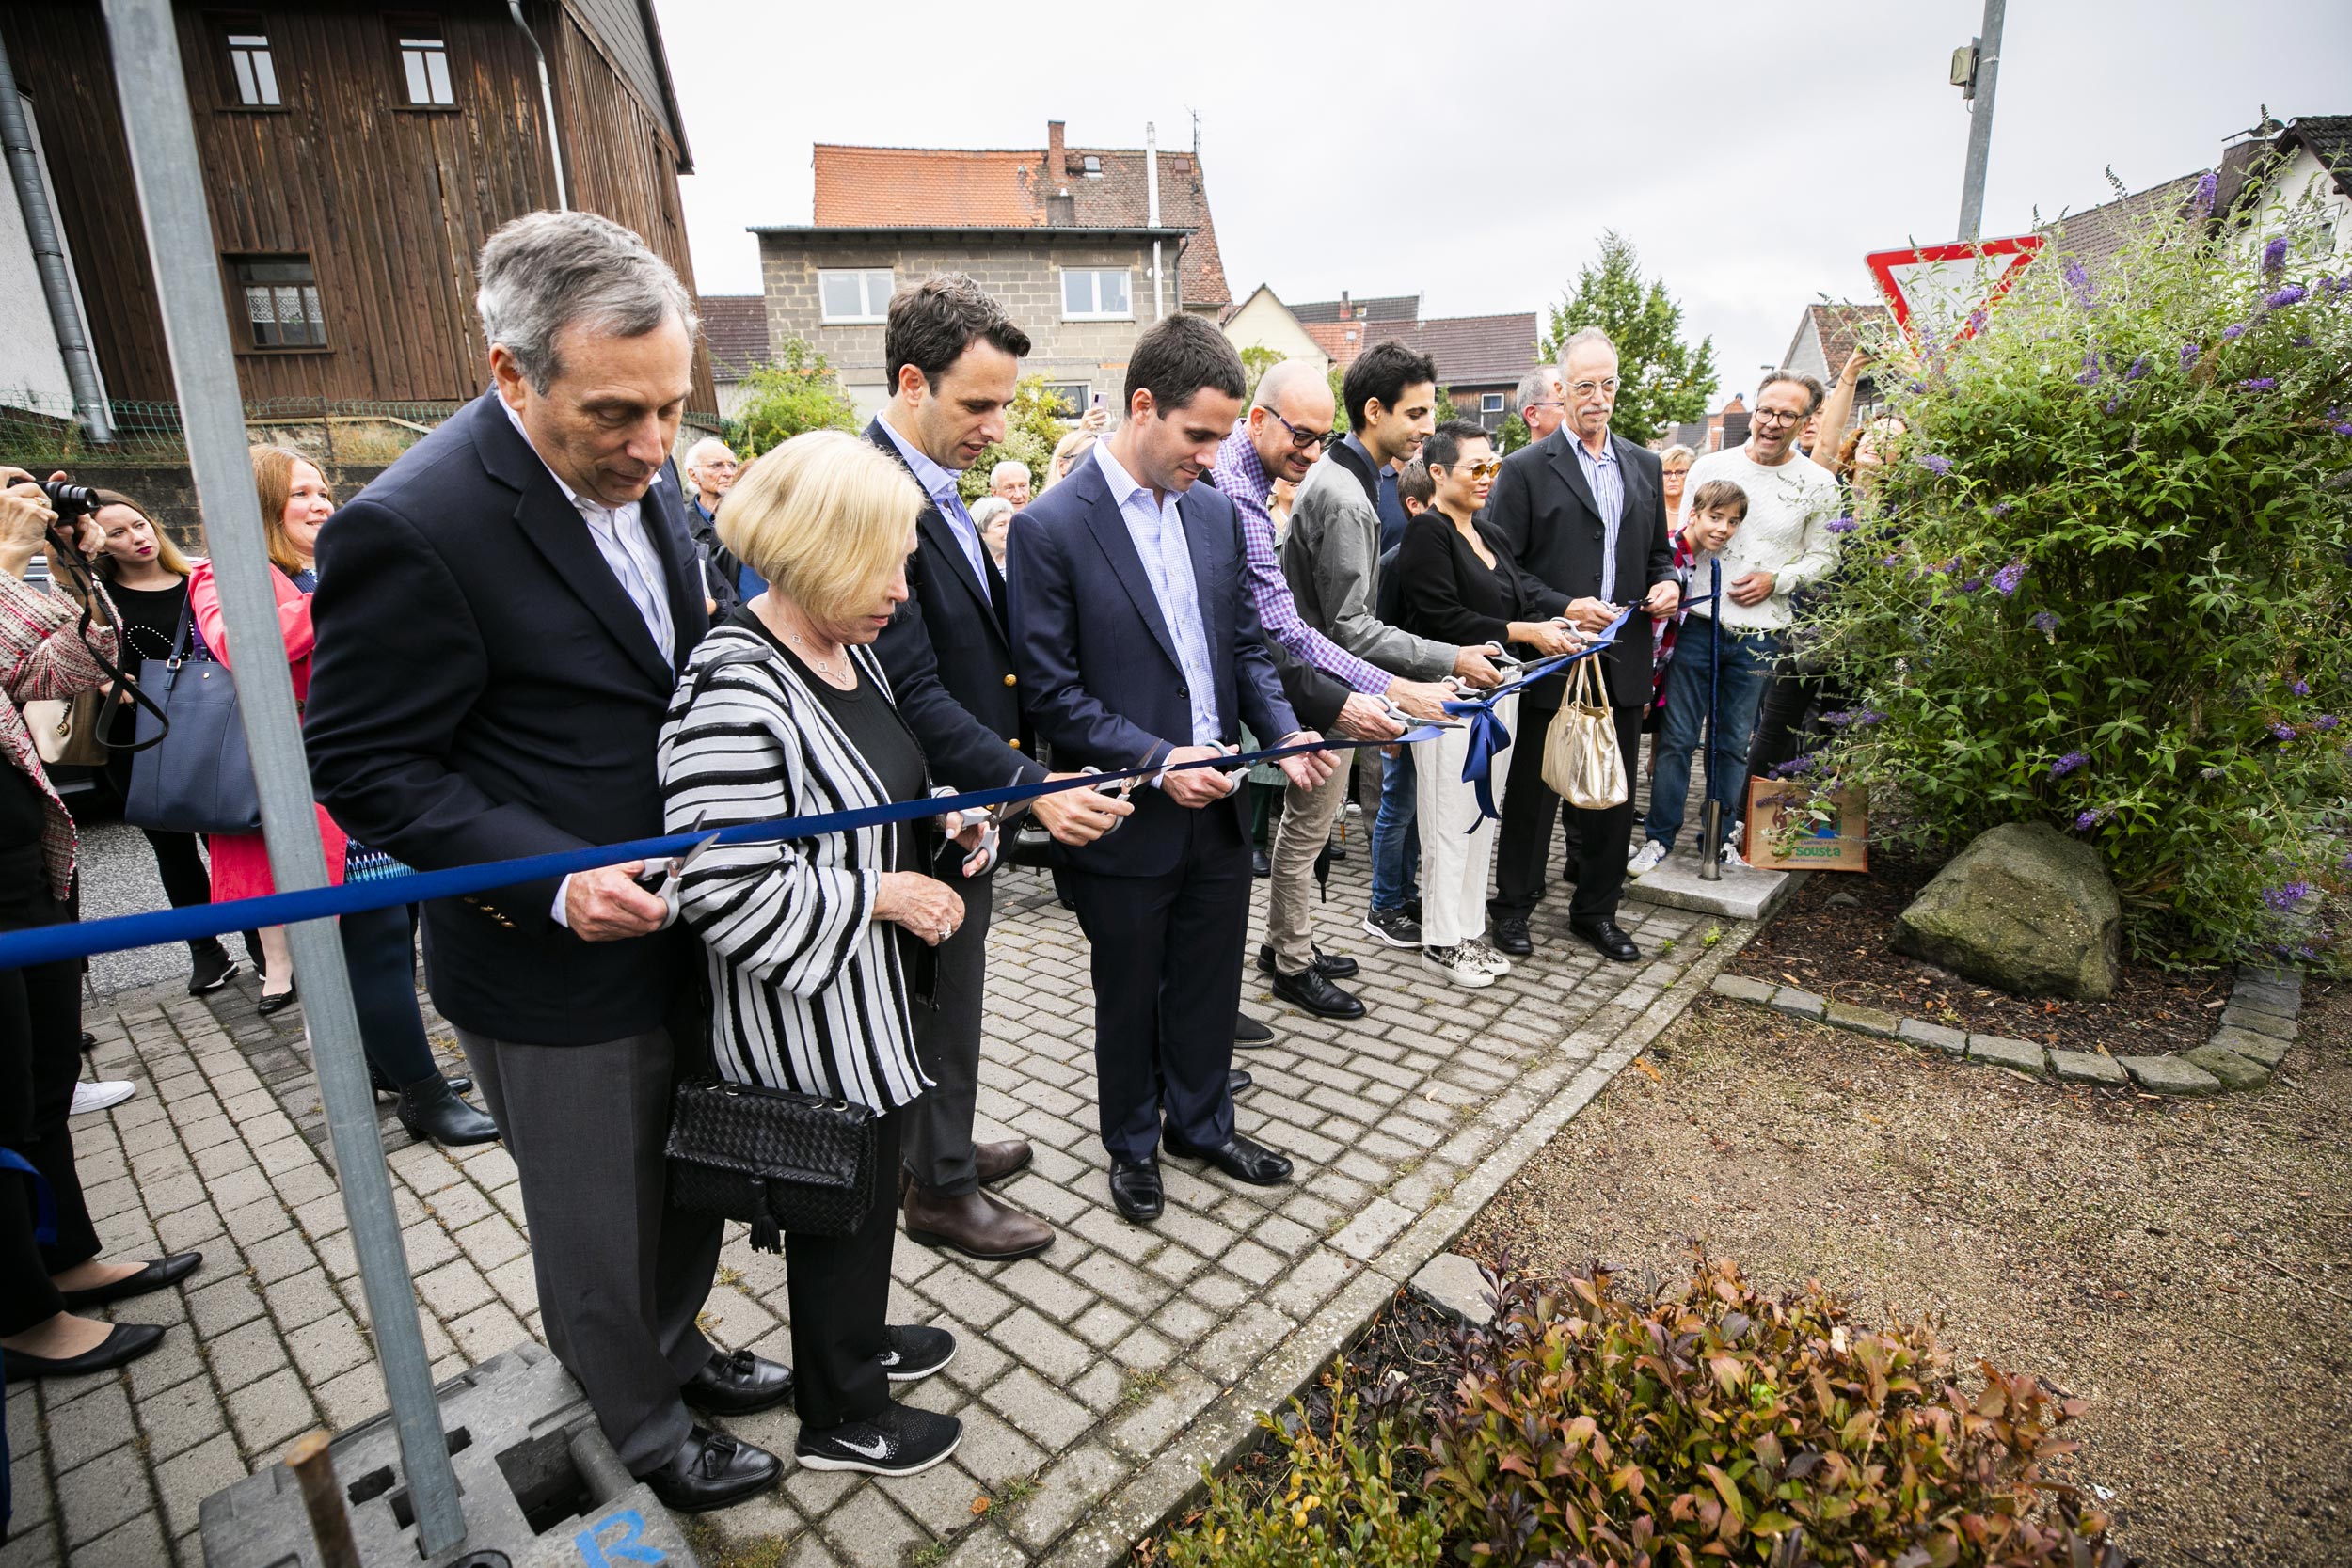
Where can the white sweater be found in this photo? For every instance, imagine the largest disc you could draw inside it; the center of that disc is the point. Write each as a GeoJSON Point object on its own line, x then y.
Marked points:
{"type": "Point", "coordinates": [1786, 532]}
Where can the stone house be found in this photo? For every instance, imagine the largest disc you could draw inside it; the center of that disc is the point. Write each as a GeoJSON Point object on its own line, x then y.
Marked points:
{"type": "Point", "coordinates": [1083, 247]}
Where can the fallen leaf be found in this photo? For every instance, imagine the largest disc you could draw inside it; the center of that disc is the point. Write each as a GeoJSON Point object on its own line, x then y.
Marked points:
{"type": "Point", "coordinates": [979, 1505]}
{"type": "Point", "coordinates": [1649, 1071]}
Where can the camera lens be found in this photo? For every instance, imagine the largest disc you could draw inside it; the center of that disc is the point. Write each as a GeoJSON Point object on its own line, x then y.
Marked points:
{"type": "Point", "coordinates": [68, 501]}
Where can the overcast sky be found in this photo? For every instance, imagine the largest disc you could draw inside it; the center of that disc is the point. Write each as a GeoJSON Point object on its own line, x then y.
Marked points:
{"type": "Point", "coordinates": [1752, 152]}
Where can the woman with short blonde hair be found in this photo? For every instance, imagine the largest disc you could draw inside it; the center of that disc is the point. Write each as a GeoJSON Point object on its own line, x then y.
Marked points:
{"type": "Point", "coordinates": [814, 946]}
{"type": "Point", "coordinates": [1674, 471]}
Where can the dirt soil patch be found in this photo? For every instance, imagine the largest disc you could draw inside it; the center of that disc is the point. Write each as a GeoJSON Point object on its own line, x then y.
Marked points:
{"type": "Point", "coordinates": [1834, 937]}
{"type": "Point", "coordinates": [2185, 1265]}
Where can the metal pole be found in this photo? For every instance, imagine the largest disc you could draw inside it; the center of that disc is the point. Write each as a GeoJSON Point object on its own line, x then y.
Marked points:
{"type": "Point", "coordinates": [170, 189]}
{"type": "Point", "coordinates": [56, 280]}
{"type": "Point", "coordinates": [546, 102]}
{"type": "Point", "coordinates": [1980, 121]}
{"type": "Point", "coordinates": [1711, 811]}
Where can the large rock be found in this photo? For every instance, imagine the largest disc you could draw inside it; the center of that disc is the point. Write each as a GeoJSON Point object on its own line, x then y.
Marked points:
{"type": "Point", "coordinates": [2024, 907]}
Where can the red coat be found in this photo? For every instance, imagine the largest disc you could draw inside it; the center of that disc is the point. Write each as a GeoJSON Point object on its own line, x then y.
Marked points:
{"type": "Point", "coordinates": [241, 861]}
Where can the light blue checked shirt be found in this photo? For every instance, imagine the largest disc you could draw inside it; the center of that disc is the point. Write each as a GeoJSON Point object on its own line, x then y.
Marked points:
{"type": "Point", "coordinates": [940, 486]}
{"type": "Point", "coordinates": [1158, 531]}
{"type": "Point", "coordinates": [1607, 478]}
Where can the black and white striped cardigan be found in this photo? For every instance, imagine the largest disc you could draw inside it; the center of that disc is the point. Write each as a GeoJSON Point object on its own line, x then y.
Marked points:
{"type": "Point", "coordinates": [806, 986]}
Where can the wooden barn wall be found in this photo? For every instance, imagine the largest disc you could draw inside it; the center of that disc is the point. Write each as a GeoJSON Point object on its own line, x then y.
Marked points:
{"type": "Point", "coordinates": [391, 204]}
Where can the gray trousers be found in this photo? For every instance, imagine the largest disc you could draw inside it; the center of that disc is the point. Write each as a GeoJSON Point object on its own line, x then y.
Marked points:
{"type": "Point", "coordinates": [621, 1274]}
{"type": "Point", "coordinates": [937, 1147]}
{"type": "Point", "coordinates": [1305, 828]}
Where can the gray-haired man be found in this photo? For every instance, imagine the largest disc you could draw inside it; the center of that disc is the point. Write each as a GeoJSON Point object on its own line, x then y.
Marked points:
{"type": "Point", "coordinates": [504, 617]}
{"type": "Point", "coordinates": [710, 468]}
{"type": "Point", "coordinates": [1542, 400]}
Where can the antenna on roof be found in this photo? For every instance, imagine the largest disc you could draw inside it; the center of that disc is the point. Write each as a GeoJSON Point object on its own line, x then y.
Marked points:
{"type": "Point", "coordinates": [1196, 133]}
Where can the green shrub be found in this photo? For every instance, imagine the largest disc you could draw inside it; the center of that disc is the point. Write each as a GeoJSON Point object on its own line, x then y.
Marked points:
{"type": "Point", "coordinates": [2104, 585]}
{"type": "Point", "coordinates": [1710, 1422]}
{"type": "Point", "coordinates": [1341, 1506]}
{"type": "Point", "coordinates": [1033, 425]}
{"type": "Point", "coordinates": [796, 393]}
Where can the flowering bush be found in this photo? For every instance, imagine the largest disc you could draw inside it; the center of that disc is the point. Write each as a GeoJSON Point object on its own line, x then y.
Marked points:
{"type": "Point", "coordinates": [2104, 584]}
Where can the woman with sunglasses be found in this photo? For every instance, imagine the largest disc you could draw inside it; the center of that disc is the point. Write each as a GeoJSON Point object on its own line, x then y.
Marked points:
{"type": "Point", "coordinates": [1462, 585]}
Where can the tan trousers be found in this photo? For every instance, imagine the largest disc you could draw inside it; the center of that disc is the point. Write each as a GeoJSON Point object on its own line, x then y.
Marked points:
{"type": "Point", "coordinates": [1306, 826]}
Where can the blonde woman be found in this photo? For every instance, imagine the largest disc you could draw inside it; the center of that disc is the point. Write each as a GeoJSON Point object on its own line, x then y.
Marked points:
{"type": "Point", "coordinates": [1066, 454]}
{"type": "Point", "coordinates": [814, 946]}
{"type": "Point", "coordinates": [1674, 471]}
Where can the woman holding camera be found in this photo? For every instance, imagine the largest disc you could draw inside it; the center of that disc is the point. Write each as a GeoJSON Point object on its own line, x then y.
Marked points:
{"type": "Point", "coordinates": [379, 946]}
{"type": "Point", "coordinates": [48, 654]}
{"type": "Point", "coordinates": [783, 711]}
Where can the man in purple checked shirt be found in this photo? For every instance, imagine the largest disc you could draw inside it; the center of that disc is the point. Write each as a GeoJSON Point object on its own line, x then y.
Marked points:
{"type": "Point", "coordinates": [1289, 423]}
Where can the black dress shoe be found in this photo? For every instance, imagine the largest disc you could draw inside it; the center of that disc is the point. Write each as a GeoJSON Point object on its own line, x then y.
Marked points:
{"type": "Point", "coordinates": [1259, 865]}
{"type": "Point", "coordinates": [737, 1385]}
{"type": "Point", "coordinates": [1332, 966]}
{"type": "Point", "coordinates": [162, 1273]}
{"type": "Point", "coordinates": [432, 1112]}
{"type": "Point", "coordinates": [1248, 1031]}
{"type": "Point", "coordinates": [386, 1089]}
{"type": "Point", "coordinates": [1310, 990]}
{"type": "Point", "coordinates": [1135, 1190]}
{"type": "Point", "coordinates": [210, 967]}
{"type": "Point", "coordinates": [1240, 1158]}
{"type": "Point", "coordinates": [711, 1470]}
{"type": "Point", "coordinates": [1603, 934]}
{"type": "Point", "coordinates": [279, 1003]}
{"type": "Point", "coordinates": [124, 1342]}
{"type": "Point", "coordinates": [1236, 1081]}
{"type": "Point", "coordinates": [1511, 935]}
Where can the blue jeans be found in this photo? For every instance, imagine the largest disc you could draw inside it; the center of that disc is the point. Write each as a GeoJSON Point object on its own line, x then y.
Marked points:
{"type": "Point", "coordinates": [1746, 669]}
{"type": "Point", "coordinates": [1395, 840]}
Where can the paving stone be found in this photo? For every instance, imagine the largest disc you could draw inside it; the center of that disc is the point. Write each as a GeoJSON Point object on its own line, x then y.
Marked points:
{"type": "Point", "coordinates": [2259, 1022]}
{"type": "Point", "coordinates": [99, 1495]}
{"type": "Point", "coordinates": [271, 1413]}
{"type": "Point", "coordinates": [180, 1418]}
{"type": "Point", "coordinates": [868, 1531]}
{"type": "Point", "coordinates": [2269, 995]}
{"type": "Point", "coordinates": [1035, 1342]}
{"type": "Point", "coordinates": [1158, 1411]}
{"type": "Point", "coordinates": [186, 1479]}
{"type": "Point", "coordinates": [2022, 1056]}
{"type": "Point", "coordinates": [2169, 1075]}
{"type": "Point", "coordinates": [1920, 1032]}
{"type": "Point", "coordinates": [245, 1354]}
{"type": "Point", "coordinates": [1866, 1020]}
{"type": "Point", "coordinates": [137, 1544]}
{"type": "Point", "coordinates": [1064, 1493]}
{"type": "Point", "coordinates": [2087, 1067]}
{"type": "Point", "coordinates": [1454, 1285]}
{"type": "Point", "coordinates": [2234, 1071]}
{"type": "Point", "coordinates": [97, 1421]}
{"type": "Point", "coordinates": [1043, 1414]}
{"type": "Point", "coordinates": [2268, 1050]}
{"type": "Point", "coordinates": [1804, 1004]}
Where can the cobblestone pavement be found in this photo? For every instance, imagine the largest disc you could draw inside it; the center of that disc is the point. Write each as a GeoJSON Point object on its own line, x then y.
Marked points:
{"type": "Point", "coordinates": [1094, 1382]}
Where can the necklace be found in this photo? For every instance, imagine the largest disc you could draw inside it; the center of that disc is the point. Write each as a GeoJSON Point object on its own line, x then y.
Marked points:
{"type": "Point", "coordinates": [823, 666]}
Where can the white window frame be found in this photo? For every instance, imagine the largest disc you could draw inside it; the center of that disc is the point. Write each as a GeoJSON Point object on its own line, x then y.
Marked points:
{"type": "Point", "coordinates": [253, 68]}
{"type": "Point", "coordinates": [1096, 275]}
{"type": "Point", "coordinates": [425, 68]}
{"type": "Point", "coordinates": [1490, 403]}
{"type": "Point", "coordinates": [877, 308]}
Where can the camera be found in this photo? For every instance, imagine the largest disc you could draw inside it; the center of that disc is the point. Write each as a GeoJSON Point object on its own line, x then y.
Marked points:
{"type": "Point", "coordinates": [68, 501]}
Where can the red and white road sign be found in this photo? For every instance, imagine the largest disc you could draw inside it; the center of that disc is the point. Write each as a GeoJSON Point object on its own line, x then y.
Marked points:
{"type": "Point", "coordinates": [1936, 291]}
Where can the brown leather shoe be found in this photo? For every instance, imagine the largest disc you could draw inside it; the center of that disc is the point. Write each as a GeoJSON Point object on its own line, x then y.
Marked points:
{"type": "Point", "coordinates": [972, 1224]}
{"type": "Point", "coordinates": [999, 1161]}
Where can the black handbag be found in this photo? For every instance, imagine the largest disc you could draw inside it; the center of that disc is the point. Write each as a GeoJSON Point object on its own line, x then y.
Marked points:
{"type": "Point", "coordinates": [194, 774]}
{"type": "Point", "coordinates": [779, 1160]}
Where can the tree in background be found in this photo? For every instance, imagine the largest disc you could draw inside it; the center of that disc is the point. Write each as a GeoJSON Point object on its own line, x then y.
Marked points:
{"type": "Point", "coordinates": [1513, 436]}
{"type": "Point", "coordinates": [1255, 361]}
{"type": "Point", "coordinates": [1033, 425]}
{"type": "Point", "coordinates": [797, 392]}
{"type": "Point", "coordinates": [1339, 399]}
{"type": "Point", "coordinates": [1661, 379]}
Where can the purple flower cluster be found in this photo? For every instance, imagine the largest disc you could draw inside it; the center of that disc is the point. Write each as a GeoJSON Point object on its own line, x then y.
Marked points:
{"type": "Point", "coordinates": [1976, 323]}
{"type": "Point", "coordinates": [2140, 368]}
{"type": "Point", "coordinates": [2091, 368]}
{"type": "Point", "coordinates": [2291, 294]}
{"type": "Point", "coordinates": [2233, 332]}
{"type": "Point", "coordinates": [1793, 767]}
{"type": "Point", "coordinates": [2115, 404]}
{"type": "Point", "coordinates": [2341, 428]}
{"type": "Point", "coordinates": [2078, 284]}
{"type": "Point", "coordinates": [2259, 383]}
{"type": "Point", "coordinates": [2208, 185]}
{"type": "Point", "coordinates": [2008, 577]}
{"type": "Point", "coordinates": [2326, 722]}
{"type": "Point", "coordinates": [2089, 819]}
{"type": "Point", "coordinates": [2188, 355]}
{"type": "Point", "coordinates": [1864, 717]}
{"type": "Point", "coordinates": [1841, 525]}
{"type": "Point", "coordinates": [2300, 688]}
{"type": "Point", "coordinates": [2286, 897]}
{"type": "Point", "coordinates": [2046, 624]}
{"type": "Point", "coordinates": [2066, 763]}
{"type": "Point", "coordinates": [1934, 464]}
{"type": "Point", "coordinates": [2002, 509]}
{"type": "Point", "coordinates": [2283, 732]}
{"type": "Point", "coordinates": [2275, 256]}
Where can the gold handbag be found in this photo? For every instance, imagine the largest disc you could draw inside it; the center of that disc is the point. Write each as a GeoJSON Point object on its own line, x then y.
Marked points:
{"type": "Point", "coordinates": [1582, 762]}
{"type": "Point", "coordinates": [65, 730]}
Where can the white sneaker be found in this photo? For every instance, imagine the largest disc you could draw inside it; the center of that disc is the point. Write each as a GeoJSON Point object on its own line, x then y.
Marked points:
{"type": "Point", "coordinates": [100, 1096]}
{"type": "Point", "coordinates": [1458, 965]}
{"type": "Point", "coordinates": [1646, 859]}
{"type": "Point", "coordinates": [1732, 858]}
{"type": "Point", "coordinates": [1485, 957]}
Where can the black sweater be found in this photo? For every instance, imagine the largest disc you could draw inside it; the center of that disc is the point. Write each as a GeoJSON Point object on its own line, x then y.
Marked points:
{"type": "Point", "coordinates": [1452, 595]}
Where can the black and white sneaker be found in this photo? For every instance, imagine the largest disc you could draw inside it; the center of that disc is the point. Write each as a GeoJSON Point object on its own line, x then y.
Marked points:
{"type": "Point", "coordinates": [210, 968]}
{"type": "Point", "coordinates": [899, 1440]}
{"type": "Point", "coordinates": [1393, 927]}
{"type": "Point", "coordinates": [912, 1353]}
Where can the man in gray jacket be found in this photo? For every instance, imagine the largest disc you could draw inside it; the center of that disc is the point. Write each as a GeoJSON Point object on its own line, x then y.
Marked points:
{"type": "Point", "coordinates": [1332, 559]}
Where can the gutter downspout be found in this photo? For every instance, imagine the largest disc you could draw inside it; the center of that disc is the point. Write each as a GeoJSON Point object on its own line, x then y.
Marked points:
{"type": "Point", "coordinates": [56, 282]}
{"type": "Point", "coordinates": [547, 101]}
{"type": "Point", "coordinates": [1152, 216]}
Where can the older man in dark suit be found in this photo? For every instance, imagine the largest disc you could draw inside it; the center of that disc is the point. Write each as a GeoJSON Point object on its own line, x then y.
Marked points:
{"type": "Point", "coordinates": [500, 623]}
{"type": "Point", "coordinates": [1138, 647]}
{"type": "Point", "coordinates": [1585, 510]}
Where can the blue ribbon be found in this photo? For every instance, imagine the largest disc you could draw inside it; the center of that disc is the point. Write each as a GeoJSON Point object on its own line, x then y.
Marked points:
{"type": "Point", "coordinates": [44, 1201]}
{"type": "Point", "coordinates": [1489, 736]}
{"type": "Point", "coordinates": [79, 940]}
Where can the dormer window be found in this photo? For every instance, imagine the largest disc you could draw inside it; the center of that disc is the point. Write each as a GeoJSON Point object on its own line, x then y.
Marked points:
{"type": "Point", "coordinates": [1094, 167]}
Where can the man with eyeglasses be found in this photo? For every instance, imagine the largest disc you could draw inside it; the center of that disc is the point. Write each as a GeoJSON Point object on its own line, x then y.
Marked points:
{"type": "Point", "coordinates": [1289, 427]}
{"type": "Point", "coordinates": [1783, 543]}
{"type": "Point", "coordinates": [1542, 402]}
{"type": "Point", "coordinates": [1585, 510]}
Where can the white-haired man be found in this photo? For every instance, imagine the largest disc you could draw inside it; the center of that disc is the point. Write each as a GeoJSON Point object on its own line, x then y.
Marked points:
{"type": "Point", "coordinates": [710, 468]}
{"type": "Point", "coordinates": [1542, 400]}
{"type": "Point", "coordinates": [1010, 480]}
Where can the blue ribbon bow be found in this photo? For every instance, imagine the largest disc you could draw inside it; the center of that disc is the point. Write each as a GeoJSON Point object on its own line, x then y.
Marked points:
{"type": "Point", "coordinates": [1489, 736]}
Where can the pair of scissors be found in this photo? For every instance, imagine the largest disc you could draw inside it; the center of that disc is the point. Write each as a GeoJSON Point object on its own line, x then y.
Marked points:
{"type": "Point", "coordinates": [655, 880]}
{"type": "Point", "coordinates": [988, 821]}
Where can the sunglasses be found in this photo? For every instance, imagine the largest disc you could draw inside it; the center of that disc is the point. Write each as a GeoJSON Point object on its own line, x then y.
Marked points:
{"type": "Point", "coordinates": [1302, 439]}
{"type": "Point", "coordinates": [1487, 470]}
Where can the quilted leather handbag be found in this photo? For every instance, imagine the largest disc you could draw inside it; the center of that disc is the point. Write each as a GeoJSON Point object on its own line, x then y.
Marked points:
{"type": "Point", "coordinates": [1582, 762]}
{"type": "Point", "coordinates": [778, 1159]}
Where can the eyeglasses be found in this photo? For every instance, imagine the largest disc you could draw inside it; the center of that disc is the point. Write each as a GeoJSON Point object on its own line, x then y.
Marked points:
{"type": "Point", "coordinates": [1773, 415]}
{"type": "Point", "coordinates": [1586, 389]}
{"type": "Point", "coordinates": [1302, 439]}
{"type": "Point", "coordinates": [1549, 402]}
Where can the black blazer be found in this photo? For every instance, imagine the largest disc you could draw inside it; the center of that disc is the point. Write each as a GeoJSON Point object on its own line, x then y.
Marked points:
{"type": "Point", "coordinates": [1099, 664]}
{"type": "Point", "coordinates": [483, 690]}
{"type": "Point", "coordinates": [948, 654]}
{"type": "Point", "coordinates": [1543, 508]}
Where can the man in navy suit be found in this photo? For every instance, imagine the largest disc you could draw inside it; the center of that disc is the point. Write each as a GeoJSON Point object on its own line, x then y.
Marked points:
{"type": "Point", "coordinates": [1138, 647]}
{"type": "Point", "coordinates": [501, 618]}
